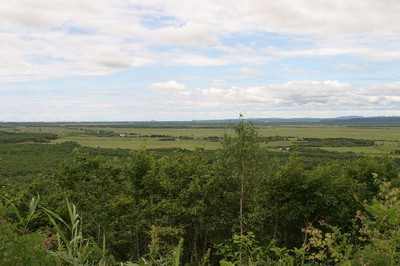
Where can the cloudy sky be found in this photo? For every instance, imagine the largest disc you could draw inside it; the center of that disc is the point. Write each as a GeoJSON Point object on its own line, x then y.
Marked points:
{"type": "Point", "coordinates": [106, 60]}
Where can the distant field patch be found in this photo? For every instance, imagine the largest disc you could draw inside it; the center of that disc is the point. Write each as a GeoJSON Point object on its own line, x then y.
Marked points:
{"type": "Point", "coordinates": [376, 140]}
{"type": "Point", "coordinates": [138, 143]}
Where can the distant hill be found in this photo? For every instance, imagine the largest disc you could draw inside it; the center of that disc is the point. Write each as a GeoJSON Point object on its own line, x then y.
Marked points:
{"type": "Point", "coordinates": [379, 120]}
{"type": "Point", "coordinates": [343, 120]}
{"type": "Point", "coordinates": [347, 120]}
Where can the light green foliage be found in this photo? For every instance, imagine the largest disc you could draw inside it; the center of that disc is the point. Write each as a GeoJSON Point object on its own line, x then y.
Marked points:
{"type": "Point", "coordinates": [381, 228]}
{"type": "Point", "coordinates": [166, 254]}
{"type": "Point", "coordinates": [239, 167]}
{"type": "Point", "coordinates": [371, 172]}
{"type": "Point", "coordinates": [329, 247]}
{"type": "Point", "coordinates": [240, 162]}
{"type": "Point", "coordinates": [246, 250]}
{"type": "Point", "coordinates": [17, 248]}
{"type": "Point", "coordinates": [374, 242]}
{"type": "Point", "coordinates": [242, 250]}
{"type": "Point", "coordinates": [74, 249]}
{"type": "Point", "coordinates": [163, 251]}
{"type": "Point", "coordinates": [23, 221]}
{"type": "Point", "coordinates": [19, 245]}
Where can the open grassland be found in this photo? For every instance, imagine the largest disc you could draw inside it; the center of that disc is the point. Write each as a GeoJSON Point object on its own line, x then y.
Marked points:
{"type": "Point", "coordinates": [139, 142]}
{"type": "Point", "coordinates": [194, 132]}
{"type": "Point", "coordinates": [333, 131]}
{"type": "Point", "coordinates": [380, 148]}
{"type": "Point", "coordinates": [386, 138]}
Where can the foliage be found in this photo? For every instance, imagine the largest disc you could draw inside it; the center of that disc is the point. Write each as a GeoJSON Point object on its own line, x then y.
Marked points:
{"type": "Point", "coordinates": [240, 205]}
{"type": "Point", "coordinates": [8, 137]}
{"type": "Point", "coordinates": [246, 250]}
{"type": "Point", "coordinates": [371, 172]}
{"type": "Point", "coordinates": [329, 247]}
{"type": "Point", "coordinates": [21, 246]}
{"type": "Point", "coordinates": [381, 228]}
{"type": "Point", "coordinates": [18, 244]}
{"type": "Point", "coordinates": [161, 252]}
{"type": "Point", "coordinates": [79, 251]}
{"type": "Point", "coordinates": [243, 250]}
{"type": "Point", "coordinates": [335, 142]}
{"type": "Point", "coordinates": [375, 241]}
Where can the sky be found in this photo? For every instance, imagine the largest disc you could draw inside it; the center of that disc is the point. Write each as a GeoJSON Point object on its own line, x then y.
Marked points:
{"type": "Point", "coordinates": [135, 60]}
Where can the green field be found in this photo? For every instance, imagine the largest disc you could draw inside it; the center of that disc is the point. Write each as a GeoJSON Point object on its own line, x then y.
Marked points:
{"type": "Point", "coordinates": [386, 138]}
{"type": "Point", "coordinates": [138, 143]}
{"type": "Point", "coordinates": [334, 131]}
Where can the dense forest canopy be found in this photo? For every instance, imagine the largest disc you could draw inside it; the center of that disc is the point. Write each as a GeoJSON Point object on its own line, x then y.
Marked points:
{"type": "Point", "coordinates": [239, 205]}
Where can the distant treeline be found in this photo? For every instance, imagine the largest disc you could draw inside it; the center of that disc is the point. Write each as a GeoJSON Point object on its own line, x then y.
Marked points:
{"type": "Point", "coordinates": [8, 137]}
{"type": "Point", "coordinates": [335, 142]}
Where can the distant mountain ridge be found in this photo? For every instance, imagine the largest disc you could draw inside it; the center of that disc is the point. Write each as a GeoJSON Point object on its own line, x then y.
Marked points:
{"type": "Point", "coordinates": [378, 120]}
{"type": "Point", "coordinates": [342, 120]}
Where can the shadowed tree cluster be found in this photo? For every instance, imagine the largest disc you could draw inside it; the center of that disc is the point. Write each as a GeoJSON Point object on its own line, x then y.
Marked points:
{"type": "Point", "coordinates": [243, 208]}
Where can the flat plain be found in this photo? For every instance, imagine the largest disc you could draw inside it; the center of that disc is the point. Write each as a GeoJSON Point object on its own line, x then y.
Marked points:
{"type": "Point", "coordinates": [386, 139]}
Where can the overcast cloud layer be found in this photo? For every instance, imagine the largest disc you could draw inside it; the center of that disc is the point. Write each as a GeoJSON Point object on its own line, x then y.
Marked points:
{"type": "Point", "coordinates": [181, 60]}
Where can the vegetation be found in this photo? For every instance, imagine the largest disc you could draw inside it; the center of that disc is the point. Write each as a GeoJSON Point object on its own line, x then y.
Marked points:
{"type": "Point", "coordinates": [336, 142]}
{"type": "Point", "coordinates": [7, 137]}
{"type": "Point", "coordinates": [244, 204]}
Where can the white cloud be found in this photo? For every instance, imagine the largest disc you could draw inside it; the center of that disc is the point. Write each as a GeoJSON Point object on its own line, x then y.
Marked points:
{"type": "Point", "coordinates": [48, 39]}
{"type": "Point", "coordinates": [46, 13]}
{"type": "Point", "coordinates": [174, 100]}
{"type": "Point", "coordinates": [108, 57]}
{"type": "Point", "coordinates": [63, 32]}
{"type": "Point", "coordinates": [384, 53]}
{"type": "Point", "coordinates": [167, 86]}
{"type": "Point", "coordinates": [188, 34]}
{"type": "Point", "coordinates": [292, 16]}
{"type": "Point", "coordinates": [299, 95]}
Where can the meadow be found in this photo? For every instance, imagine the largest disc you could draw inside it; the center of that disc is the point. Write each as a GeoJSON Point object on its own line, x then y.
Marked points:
{"type": "Point", "coordinates": [386, 139]}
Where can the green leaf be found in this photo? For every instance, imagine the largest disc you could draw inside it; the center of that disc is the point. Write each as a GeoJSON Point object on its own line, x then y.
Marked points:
{"type": "Point", "coordinates": [32, 206]}
{"type": "Point", "coordinates": [60, 233]}
{"type": "Point", "coordinates": [225, 263]}
{"type": "Point", "coordinates": [58, 217]}
{"type": "Point", "coordinates": [15, 210]}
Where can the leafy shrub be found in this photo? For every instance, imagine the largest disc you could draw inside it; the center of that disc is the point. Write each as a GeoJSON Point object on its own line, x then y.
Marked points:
{"type": "Point", "coordinates": [18, 245]}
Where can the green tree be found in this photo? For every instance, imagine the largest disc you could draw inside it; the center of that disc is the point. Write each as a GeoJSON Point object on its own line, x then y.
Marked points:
{"type": "Point", "coordinates": [176, 190]}
{"type": "Point", "coordinates": [96, 186]}
{"type": "Point", "coordinates": [239, 167]}
{"type": "Point", "coordinates": [380, 229]}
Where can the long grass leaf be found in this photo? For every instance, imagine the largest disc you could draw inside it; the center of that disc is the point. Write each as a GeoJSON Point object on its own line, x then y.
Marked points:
{"type": "Point", "coordinates": [58, 217]}
{"type": "Point", "coordinates": [15, 210]}
{"type": "Point", "coordinates": [32, 206]}
{"type": "Point", "coordinates": [60, 233]}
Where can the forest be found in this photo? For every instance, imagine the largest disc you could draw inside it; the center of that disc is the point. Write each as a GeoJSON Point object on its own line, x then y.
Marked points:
{"type": "Point", "coordinates": [241, 203]}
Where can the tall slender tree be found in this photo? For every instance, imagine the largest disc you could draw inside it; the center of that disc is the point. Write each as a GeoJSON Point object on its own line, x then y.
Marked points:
{"type": "Point", "coordinates": [241, 161]}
